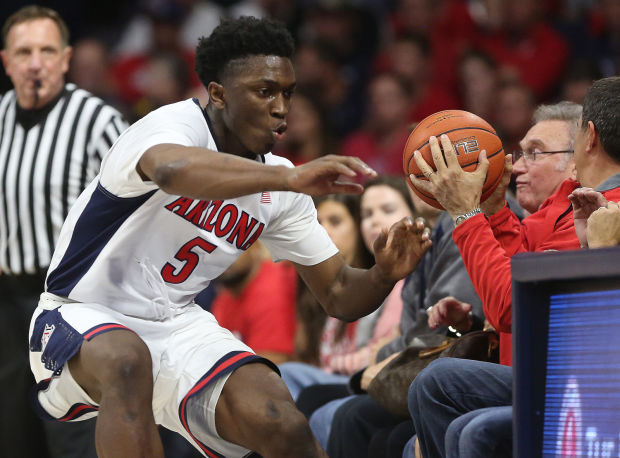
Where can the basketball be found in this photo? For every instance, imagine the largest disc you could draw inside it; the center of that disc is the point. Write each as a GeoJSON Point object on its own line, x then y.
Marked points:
{"type": "Point", "coordinates": [469, 134]}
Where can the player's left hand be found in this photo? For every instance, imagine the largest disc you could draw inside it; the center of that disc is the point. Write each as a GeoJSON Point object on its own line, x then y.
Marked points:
{"type": "Point", "coordinates": [456, 190]}
{"type": "Point", "coordinates": [399, 249]}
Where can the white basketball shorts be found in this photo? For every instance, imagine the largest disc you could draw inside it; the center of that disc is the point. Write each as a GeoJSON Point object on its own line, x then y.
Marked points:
{"type": "Point", "coordinates": [191, 354]}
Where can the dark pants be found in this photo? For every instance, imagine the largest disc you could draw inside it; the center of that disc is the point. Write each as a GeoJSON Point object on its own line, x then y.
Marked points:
{"type": "Point", "coordinates": [360, 426]}
{"type": "Point", "coordinates": [446, 391]}
{"type": "Point", "coordinates": [22, 433]}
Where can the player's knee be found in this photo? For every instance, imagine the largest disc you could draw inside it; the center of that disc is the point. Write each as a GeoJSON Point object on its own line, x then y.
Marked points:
{"type": "Point", "coordinates": [127, 367]}
{"type": "Point", "coordinates": [286, 429]}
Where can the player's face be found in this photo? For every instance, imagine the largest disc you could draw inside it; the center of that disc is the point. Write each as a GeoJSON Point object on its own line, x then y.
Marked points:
{"type": "Point", "coordinates": [381, 206]}
{"type": "Point", "coordinates": [340, 227]}
{"type": "Point", "coordinates": [34, 52]}
{"type": "Point", "coordinates": [538, 179]}
{"type": "Point", "coordinates": [257, 98]}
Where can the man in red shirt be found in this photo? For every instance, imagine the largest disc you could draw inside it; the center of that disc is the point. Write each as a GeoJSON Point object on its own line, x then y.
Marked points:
{"type": "Point", "coordinates": [256, 301]}
{"type": "Point", "coordinates": [461, 406]}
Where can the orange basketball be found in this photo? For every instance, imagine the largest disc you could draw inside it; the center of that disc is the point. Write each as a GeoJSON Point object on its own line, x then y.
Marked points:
{"type": "Point", "coordinates": [469, 134]}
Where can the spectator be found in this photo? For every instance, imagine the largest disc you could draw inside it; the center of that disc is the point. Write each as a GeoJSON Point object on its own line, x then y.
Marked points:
{"type": "Point", "coordinates": [256, 302]}
{"type": "Point", "coordinates": [308, 136]}
{"type": "Point", "coordinates": [514, 107]}
{"type": "Point", "coordinates": [477, 418]}
{"type": "Point", "coordinates": [384, 201]}
{"type": "Point", "coordinates": [478, 83]}
{"type": "Point", "coordinates": [381, 141]}
{"type": "Point", "coordinates": [519, 41]}
{"type": "Point", "coordinates": [319, 336]}
{"type": "Point", "coordinates": [53, 139]}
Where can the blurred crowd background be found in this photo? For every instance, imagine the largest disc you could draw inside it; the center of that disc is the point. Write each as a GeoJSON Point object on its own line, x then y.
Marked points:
{"type": "Point", "coordinates": [367, 70]}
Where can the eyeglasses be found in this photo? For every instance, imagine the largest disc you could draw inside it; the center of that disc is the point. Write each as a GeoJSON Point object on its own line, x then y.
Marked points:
{"type": "Point", "coordinates": [530, 156]}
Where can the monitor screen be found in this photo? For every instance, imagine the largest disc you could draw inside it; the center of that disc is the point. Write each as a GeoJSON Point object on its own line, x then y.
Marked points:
{"type": "Point", "coordinates": [566, 333]}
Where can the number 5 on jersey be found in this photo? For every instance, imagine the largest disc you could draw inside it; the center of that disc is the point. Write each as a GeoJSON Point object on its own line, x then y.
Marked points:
{"type": "Point", "coordinates": [190, 259]}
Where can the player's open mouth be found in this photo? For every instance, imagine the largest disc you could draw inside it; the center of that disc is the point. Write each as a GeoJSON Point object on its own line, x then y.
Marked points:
{"type": "Point", "coordinates": [278, 132]}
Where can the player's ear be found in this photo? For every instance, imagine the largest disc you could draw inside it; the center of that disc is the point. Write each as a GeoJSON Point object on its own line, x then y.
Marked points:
{"type": "Point", "coordinates": [216, 94]}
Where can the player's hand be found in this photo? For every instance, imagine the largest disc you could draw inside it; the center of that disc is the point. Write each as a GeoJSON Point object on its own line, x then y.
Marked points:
{"type": "Point", "coordinates": [399, 249]}
{"type": "Point", "coordinates": [497, 200]}
{"type": "Point", "coordinates": [585, 201]}
{"type": "Point", "coordinates": [603, 226]}
{"type": "Point", "coordinates": [328, 175]}
{"type": "Point", "coordinates": [456, 190]}
{"type": "Point", "coordinates": [450, 312]}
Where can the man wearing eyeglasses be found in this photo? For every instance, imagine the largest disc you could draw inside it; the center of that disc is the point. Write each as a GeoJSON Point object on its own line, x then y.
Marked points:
{"type": "Point", "coordinates": [464, 408]}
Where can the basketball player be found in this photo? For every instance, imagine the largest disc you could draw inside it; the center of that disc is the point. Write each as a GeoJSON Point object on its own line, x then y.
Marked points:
{"type": "Point", "coordinates": [180, 196]}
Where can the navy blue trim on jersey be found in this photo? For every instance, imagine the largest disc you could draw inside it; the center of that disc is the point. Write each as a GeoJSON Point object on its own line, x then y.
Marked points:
{"type": "Point", "coordinates": [56, 339]}
{"type": "Point", "coordinates": [224, 365]}
{"type": "Point", "coordinates": [96, 226]}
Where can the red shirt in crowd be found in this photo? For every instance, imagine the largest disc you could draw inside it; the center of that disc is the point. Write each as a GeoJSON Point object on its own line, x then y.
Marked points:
{"type": "Point", "coordinates": [263, 315]}
{"type": "Point", "coordinates": [486, 247]}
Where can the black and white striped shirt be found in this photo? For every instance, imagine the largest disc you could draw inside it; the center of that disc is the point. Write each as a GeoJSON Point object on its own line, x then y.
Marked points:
{"type": "Point", "coordinates": [45, 163]}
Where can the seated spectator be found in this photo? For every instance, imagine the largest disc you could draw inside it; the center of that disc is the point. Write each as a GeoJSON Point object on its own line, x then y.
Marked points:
{"type": "Point", "coordinates": [476, 418]}
{"type": "Point", "coordinates": [409, 57]}
{"type": "Point", "coordinates": [319, 336]}
{"type": "Point", "coordinates": [256, 302]}
{"type": "Point", "coordinates": [478, 83]}
{"type": "Point", "coordinates": [307, 136]}
{"type": "Point", "coordinates": [384, 201]}
{"type": "Point", "coordinates": [512, 117]}
{"type": "Point", "coordinates": [381, 141]}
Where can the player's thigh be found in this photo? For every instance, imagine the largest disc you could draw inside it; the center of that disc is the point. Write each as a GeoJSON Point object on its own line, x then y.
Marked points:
{"type": "Point", "coordinates": [254, 404]}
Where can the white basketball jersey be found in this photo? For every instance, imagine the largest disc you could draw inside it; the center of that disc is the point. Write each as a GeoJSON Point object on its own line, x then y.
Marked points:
{"type": "Point", "coordinates": [130, 246]}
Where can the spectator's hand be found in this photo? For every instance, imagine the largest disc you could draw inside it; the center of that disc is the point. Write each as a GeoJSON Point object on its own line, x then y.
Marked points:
{"type": "Point", "coordinates": [497, 200]}
{"type": "Point", "coordinates": [371, 371]}
{"type": "Point", "coordinates": [585, 201]}
{"type": "Point", "coordinates": [456, 190]}
{"type": "Point", "coordinates": [450, 312]}
{"type": "Point", "coordinates": [399, 249]}
{"type": "Point", "coordinates": [350, 362]}
{"type": "Point", "coordinates": [324, 175]}
{"type": "Point", "coordinates": [603, 226]}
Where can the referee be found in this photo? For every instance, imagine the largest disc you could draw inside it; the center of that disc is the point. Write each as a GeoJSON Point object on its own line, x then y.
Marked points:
{"type": "Point", "coordinates": [52, 139]}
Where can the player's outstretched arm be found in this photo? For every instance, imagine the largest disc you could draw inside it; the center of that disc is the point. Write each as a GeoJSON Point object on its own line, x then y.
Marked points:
{"type": "Point", "coordinates": [348, 293]}
{"type": "Point", "coordinates": [203, 174]}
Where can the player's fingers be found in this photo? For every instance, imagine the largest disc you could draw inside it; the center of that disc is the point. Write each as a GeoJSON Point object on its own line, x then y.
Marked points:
{"type": "Point", "coordinates": [345, 187]}
{"type": "Point", "coordinates": [449, 152]}
{"type": "Point", "coordinates": [356, 164]}
{"type": "Point", "coordinates": [438, 159]}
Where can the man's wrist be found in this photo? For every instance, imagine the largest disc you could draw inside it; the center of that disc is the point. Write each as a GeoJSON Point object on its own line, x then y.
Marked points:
{"type": "Point", "coordinates": [458, 219]}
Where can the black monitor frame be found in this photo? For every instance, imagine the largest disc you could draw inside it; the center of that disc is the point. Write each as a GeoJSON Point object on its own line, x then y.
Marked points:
{"type": "Point", "coordinates": [535, 277]}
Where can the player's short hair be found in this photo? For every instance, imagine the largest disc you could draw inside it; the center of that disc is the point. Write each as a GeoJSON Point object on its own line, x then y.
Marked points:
{"type": "Point", "coordinates": [569, 112]}
{"type": "Point", "coordinates": [30, 13]}
{"type": "Point", "coordinates": [601, 105]}
{"type": "Point", "coordinates": [238, 38]}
